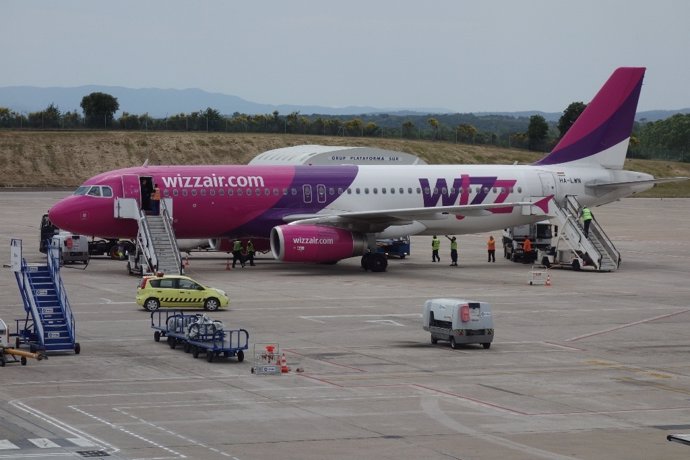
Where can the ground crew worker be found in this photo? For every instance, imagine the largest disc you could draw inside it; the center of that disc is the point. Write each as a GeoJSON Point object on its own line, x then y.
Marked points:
{"type": "Point", "coordinates": [237, 253]}
{"type": "Point", "coordinates": [156, 200]}
{"type": "Point", "coordinates": [586, 215]}
{"type": "Point", "coordinates": [250, 252]}
{"type": "Point", "coordinates": [435, 246]}
{"type": "Point", "coordinates": [491, 248]}
{"type": "Point", "coordinates": [527, 250]}
{"type": "Point", "coordinates": [453, 251]}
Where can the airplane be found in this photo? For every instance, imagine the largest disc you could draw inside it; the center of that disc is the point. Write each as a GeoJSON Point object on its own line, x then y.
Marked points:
{"type": "Point", "coordinates": [323, 214]}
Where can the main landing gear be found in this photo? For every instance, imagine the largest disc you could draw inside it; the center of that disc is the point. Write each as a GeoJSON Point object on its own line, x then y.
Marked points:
{"type": "Point", "coordinates": [374, 261]}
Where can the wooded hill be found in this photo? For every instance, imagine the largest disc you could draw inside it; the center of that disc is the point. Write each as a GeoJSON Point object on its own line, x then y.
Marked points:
{"type": "Point", "coordinates": [65, 159]}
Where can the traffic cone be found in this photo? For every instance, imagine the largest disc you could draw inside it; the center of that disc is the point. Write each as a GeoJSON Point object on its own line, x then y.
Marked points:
{"type": "Point", "coordinates": [548, 280]}
{"type": "Point", "coordinates": [284, 369]}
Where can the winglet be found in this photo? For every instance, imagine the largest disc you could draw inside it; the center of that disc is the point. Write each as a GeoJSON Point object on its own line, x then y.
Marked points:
{"type": "Point", "coordinates": [543, 204]}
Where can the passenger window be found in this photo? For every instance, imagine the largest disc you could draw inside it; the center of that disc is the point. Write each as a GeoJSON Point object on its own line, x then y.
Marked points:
{"type": "Point", "coordinates": [187, 284]}
{"type": "Point", "coordinates": [166, 284]}
{"type": "Point", "coordinates": [193, 192]}
{"type": "Point", "coordinates": [202, 192]}
{"type": "Point", "coordinates": [184, 192]}
{"type": "Point", "coordinates": [176, 192]}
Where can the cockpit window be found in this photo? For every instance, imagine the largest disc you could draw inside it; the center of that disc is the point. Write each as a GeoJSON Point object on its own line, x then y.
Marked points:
{"type": "Point", "coordinates": [94, 191]}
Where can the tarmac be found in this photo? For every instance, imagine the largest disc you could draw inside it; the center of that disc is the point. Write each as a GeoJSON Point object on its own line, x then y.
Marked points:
{"type": "Point", "coordinates": [594, 366]}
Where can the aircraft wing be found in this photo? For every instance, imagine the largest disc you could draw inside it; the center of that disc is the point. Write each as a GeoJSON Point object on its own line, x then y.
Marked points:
{"type": "Point", "coordinates": [378, 220]}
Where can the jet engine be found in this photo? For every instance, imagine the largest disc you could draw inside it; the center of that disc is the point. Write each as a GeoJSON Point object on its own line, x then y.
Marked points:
{"type": "Point", "coordinates": [315, 243]}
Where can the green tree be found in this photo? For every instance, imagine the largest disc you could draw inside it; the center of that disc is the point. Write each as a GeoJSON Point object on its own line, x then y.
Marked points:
{"type": "Point", "coordinates": [569, 116]}
{"type": "Point", "coordinates": [537, 132]}
{"type": "Point", "coordinates": [408, 130]}
{"type": "Point", "coordinates": [433, 123]}
{"type": "Point", "coordinates": [99, 109]}
{"type": "Point", "coordinates": [466, 133]}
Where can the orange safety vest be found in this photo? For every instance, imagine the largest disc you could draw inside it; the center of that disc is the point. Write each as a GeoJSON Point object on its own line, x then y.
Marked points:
{"type": "Point", "coordinates": [156, 195]}
{"type": "Point", "coordinates": [491, 244]}
{"type": "Point", "coordinates": [527, 246]}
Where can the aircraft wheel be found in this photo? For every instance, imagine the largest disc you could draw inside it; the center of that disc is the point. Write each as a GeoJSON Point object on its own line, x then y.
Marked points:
{"type": "Point", "coordinates": [365, 261]}
{"type": "Point", "coordinates": [378, 263]}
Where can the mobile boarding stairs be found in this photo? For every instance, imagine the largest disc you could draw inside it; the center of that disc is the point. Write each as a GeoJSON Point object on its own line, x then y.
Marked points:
{"type": "Point", "coordinates": [49, 325]}
{"type": "Point", "coordinates": [157, 250]}
{"type": "Point", "coordinates": [573, 248]}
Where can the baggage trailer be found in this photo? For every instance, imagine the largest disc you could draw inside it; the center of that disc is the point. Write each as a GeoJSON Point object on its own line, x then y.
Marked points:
{"type": "Point", "coordinates": [197, 333]}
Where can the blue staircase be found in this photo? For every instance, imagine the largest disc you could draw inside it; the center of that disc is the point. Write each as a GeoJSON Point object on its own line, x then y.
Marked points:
{"type": "Point", "coordinates": [49, 323]}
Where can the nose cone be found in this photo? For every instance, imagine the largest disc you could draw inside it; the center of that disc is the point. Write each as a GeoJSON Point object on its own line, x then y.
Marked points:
{"type": "Point", "coordinates": [69, 214]}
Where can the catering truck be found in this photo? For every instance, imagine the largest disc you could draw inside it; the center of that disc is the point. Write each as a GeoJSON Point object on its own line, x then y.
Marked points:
{"type": "Point", "coordinates": [458, 321]}
{"type": "Point", "coordinates": [541, 235]}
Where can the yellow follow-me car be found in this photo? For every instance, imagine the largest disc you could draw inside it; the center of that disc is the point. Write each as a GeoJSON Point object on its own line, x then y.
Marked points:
{"type": "Point", "coordinates": [178, 292]}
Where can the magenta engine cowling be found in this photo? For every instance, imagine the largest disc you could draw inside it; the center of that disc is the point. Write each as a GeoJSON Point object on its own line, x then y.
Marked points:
{"type": "Point", "coordinates": [314, 243]}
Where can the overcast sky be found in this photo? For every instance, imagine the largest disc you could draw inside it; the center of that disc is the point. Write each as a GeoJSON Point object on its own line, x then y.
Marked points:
{"type": "Point", "coordinates": [466, 56]}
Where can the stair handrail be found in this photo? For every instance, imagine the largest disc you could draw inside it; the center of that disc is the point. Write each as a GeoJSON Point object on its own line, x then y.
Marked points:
{"type": "Point", "coordinates": [29, 300]}
{"type": "Point", "coordinates": [597, 231]}
{"type": "Point", "coordinates": [571, 213]}
{"type": "Point", "coordinates": [611, 250]}
{"type": "Point", "coordinates": [54, 267]}
{"type": "Point", "coordinates": [145, 242]}
{"type": "Point", "coordinates": [170, 231]}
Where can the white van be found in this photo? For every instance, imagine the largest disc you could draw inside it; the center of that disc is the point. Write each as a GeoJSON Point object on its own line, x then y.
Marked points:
{"type": "Point", "coordinates": [73, 248]}
{"type": "Point", "coordinates": [459, 321]}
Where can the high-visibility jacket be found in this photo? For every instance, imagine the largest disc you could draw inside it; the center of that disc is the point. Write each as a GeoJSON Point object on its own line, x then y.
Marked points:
{"type": "Point", "coordinates": [454, 245]}
{"type": "Point", "coordinates": [491, 244]}
{"type": "Point", "coordinates": [156, 195]}
{"type": "Point", "coordinates": [435, 244]}
{"type": "Point", "coordinates": [237, 246]}
{"type": "Point", "coordinates": [586, 214]}
{"type": "Point", "coordinates": [250, 246]}
{"type": "Point", "coordinates": [527, 245]}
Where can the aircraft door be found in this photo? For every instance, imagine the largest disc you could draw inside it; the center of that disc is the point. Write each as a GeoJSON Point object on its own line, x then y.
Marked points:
{"type": "Point", "coordinates": [548, 184]}
{"type": "Point", "coordinates": [131, 187]}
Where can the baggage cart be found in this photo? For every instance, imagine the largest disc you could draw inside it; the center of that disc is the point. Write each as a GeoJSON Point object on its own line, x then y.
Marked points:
{"type": "Point", "coordinates": [537, 276]}
{"type": "Point", "coordinates": [197, 334]}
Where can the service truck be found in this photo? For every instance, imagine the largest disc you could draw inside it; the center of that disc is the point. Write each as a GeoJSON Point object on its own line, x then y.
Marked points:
{"type": "Point", "coordinates": [458, 321]}
{"type": "Point", "coordinates": [541, 235]}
